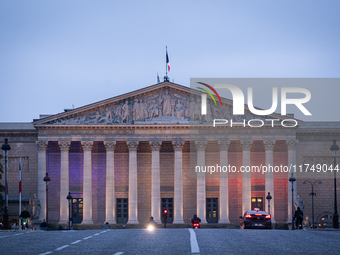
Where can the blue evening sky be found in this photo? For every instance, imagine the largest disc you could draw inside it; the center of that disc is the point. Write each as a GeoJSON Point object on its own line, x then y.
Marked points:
{"type": "Point", "coordinates": [55, 54]}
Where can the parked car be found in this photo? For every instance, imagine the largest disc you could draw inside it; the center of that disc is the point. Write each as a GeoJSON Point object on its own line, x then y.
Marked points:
{"type": "Point", "coordinates": [256, 219]}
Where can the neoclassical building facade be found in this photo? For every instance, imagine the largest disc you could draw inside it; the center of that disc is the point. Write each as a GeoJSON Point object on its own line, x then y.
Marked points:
{"type": "Point", "coordinates": [127, 158]}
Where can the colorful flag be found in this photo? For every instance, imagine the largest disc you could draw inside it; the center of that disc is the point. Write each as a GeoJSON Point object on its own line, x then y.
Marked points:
{"type": "Point", "coordinates": [167, 60]}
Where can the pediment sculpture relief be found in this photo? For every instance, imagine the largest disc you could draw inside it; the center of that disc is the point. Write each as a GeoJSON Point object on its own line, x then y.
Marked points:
{"type": "Point", "coordinates": [163, 107]}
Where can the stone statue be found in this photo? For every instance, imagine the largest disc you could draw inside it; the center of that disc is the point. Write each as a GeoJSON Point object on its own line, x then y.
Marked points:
{"type": "Point", "coordinates": [36, 206]}
{"type": "Point", "coordinates": [299, 203]}
{"type": "Point", "coordinates": [136, 110]}
{"type": "Point", "coordinates": [208, 117]}
{"type": "Point", "coordinates": [153, 109]}
{"type": "Point", "coordinates": [107, 116]}
{"type": "Point", "coordinates": [166, 104]}
{"type": "Point", "coordinates": [126, 111]}
{"type": "Point", "coordinates": [187, 110]}
{"type": "Point", "coordinates": [179, 109]}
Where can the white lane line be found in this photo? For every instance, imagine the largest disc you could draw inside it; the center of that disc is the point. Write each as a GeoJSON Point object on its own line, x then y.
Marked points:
{"type": "Point", "coordinates": [87, 237]}
{"type": "Point", "coordinates": [19, 234]}
{"type": "Point", "coordinates": [78, 241]}
{"type": "Point", "coordinates": [118, 253]}
{"type": "Point", "coordinates": [193, 242]}
{"type": "Point", "coordinates": [49, 252]}
{"type": "Point", "coordinates": [2, 236]}
{"type": "Point", "coordinates": [96, 234]}
{"type": "Point", "coordinates": [62, 247]}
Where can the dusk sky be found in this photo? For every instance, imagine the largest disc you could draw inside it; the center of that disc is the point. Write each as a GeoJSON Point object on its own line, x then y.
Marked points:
{"type": "Point", "coordinates": [55, 54]}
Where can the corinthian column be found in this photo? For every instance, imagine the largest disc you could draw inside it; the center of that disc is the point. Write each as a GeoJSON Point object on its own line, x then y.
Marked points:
{"type": "Point", "coordinates": [224, 201]}
{"type": "Point", "coordinates": [155, 181]}
{"type": "Point", "coordinates": [178, 194]}
{"type": "Point", "coordinates": [87, 182]}
{"type": "Point", "coordinates": [133, 198]}
{"type": "Point", "coordinates": [41, 146]}
{"type": "Point", "coordinates": [201, 212]}
{"type": "Point", "coordinates": [246, 183]}
{"type": "Point", "coordinates": [269, 177]}
{"type": "Point", "coordinates": [64, 180]}
{"type": "Point", "coordinates": [291, 144]}
{"type": "Point", "coordinates": [110, 198]}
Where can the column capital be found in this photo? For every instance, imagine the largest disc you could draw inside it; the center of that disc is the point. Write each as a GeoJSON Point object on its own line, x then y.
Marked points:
{"type": "Point", "coordinates": [178, 145]}
{"type": "Point", "coordinates": [224, 145]}
{"type": "Point", "coordinates": [110, 145]}
{"type": "Point", "coordinates": [246, 144]}
{"type": "Point", "coordinates": [291, 144]}
{"type": "Point", "coordinates": [155, 145]}
{"type": "Point", "coordinates": [41, 145]}
{"type": "Point", "coordinates": [268, 144]}
{"type": "Point", "coordinates": [201, 145]}
{"type": "Point", "coordinates": [64, 145]}
{"type": "Point", "coordinates": [87, 145]}
{"type": "Point", "coordinates": [132, 145]}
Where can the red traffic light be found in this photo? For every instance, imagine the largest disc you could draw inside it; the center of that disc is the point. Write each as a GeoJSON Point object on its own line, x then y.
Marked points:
{"type": "Point", "coordinates": [165, 211]}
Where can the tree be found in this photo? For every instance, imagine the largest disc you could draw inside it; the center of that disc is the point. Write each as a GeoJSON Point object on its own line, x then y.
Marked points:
{"type": "Point", "coordinates": [2, 188]}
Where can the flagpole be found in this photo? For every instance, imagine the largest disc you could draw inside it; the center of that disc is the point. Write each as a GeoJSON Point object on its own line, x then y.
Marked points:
{"type": "Point", "coordinates": [20, 192]}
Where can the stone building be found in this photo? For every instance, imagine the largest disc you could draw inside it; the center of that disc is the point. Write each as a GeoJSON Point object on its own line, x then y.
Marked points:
{"type": "Point", "coordinates": [127, 158]}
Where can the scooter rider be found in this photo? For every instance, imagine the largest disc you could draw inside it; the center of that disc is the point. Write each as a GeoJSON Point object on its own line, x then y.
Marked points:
{"type": "Point", "coordinates": [195, 219]}
{"type": "Point", "coordinates": [152, 221]}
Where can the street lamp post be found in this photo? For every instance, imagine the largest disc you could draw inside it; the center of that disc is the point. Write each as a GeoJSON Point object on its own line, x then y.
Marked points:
{"type": "Point", "coordinates": [6, 147]}
{"type": "Point", "coordinates": [69, 198]}
{"type": "Point", "coordinates": [47, 180]}
{"type": "Point", "coordinates": [292, 179]}
{"type": "Point", "coordinates": [312, 194]}
{"type": "Point", "coordinates": [334, 148]}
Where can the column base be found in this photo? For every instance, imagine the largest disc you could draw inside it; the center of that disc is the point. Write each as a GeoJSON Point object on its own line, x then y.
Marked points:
{"type": "Point", "coordinates": [86, 222]}
{"type": "Point", "coordinates": [224, 221]}
{"type": "Point", "coordinates": [204, 221]}
{"type": "Point", "coordinates": [133, 222]}
{"type": "Point", "coordinates": [62, 222]}
{"type": "Point", "coordinates": [178, 222]}
{"type": "Point", "coordinates": [110, 221]}
{"type": "Point", "coordinates": [157, 220]}
{"type": "Point", "coordinates": [273, 221]}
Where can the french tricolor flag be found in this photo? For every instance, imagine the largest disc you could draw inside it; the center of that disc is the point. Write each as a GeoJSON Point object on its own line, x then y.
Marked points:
{"type": "Point", "coordinates": [167, 60]}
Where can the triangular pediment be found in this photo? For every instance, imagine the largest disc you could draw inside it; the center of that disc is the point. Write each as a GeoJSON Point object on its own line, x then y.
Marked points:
{"type": "Point", "coordinates": [162, 103]}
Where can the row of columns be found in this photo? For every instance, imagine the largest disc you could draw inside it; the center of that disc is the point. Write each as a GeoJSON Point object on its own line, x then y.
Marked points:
{"type": "Point", "coordinates": [110, 209]}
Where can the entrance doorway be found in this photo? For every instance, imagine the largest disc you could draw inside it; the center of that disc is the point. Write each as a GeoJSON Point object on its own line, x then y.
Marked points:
{"type": "Point", "coordinates": [122, 210]}
{"type": "Point", "coordinates": [257, 202]}
{"type": "Point", "coordinates": [167, 204]}
{"type": "Point", "coordinates": [211, 210]}
{"type": "Point", "coordinates": [77, 210]}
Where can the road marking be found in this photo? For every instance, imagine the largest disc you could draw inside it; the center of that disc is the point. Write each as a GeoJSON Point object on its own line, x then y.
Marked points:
{"type": "Point", "coordinates": [118, 253]}
{"type": "Point", "coordinates": [2, 236]}
{"type": "Point", "coordinates": [87, 237]}
{"type": "Point", "coordinates": [49, 252]}
{"type": "Point", "coordinates": [96, 234]}
{"type": "Point", "coordinates": [193, 242]}
{"type": "Point", "coordinates": [19, 234]}
{"type": "Point", "coordinates": [62, 247]}
{"type": "Point", "coordinates": [78, 241]}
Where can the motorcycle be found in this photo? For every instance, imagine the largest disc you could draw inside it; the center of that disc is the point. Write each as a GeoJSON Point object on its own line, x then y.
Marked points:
{"type": "Point", "coordinates": [196, 225]}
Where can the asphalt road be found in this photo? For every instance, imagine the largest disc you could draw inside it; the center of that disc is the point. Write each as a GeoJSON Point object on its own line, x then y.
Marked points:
{"type": "Point", "coordinates": [170, 241]}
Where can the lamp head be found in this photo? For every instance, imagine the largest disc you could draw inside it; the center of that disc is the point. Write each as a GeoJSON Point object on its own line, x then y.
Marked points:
{"type": "Point", "coordinates": [334, 148]}
{"type": "Point", "coordinates": [69, 197]}
{"type": "Point", "coordinates": [6, 147]}
{"type": "Point", "coordinates": [47, 179]}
